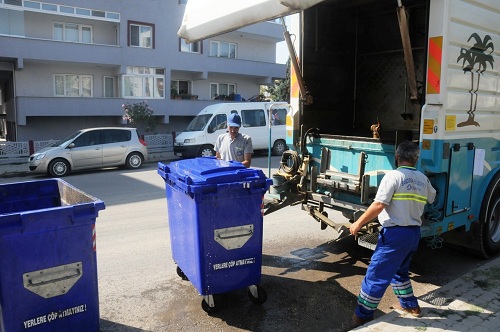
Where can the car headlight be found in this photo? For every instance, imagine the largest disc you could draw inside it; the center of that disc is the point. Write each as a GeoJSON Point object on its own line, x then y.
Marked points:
{"type": "Point", "coordinates": [39, 156]}
{"type": "Point", "coordinates": [189, 140]}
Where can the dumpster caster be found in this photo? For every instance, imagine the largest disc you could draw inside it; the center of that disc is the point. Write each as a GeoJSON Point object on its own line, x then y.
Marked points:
{"type": "Point", "coordinates": [257, 294]}
{"type": "Point", "coordinates": [181, 274]}
{"type": "Point", "coordinates": [208, 304]}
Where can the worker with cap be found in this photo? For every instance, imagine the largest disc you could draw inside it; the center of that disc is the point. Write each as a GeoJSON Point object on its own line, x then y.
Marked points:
{"type": "Point", "coordinates": [233, 145]}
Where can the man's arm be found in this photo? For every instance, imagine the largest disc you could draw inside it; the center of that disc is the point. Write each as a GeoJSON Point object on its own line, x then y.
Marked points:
{"type": "Point", "coordinates": [217, 154]}
{"type": "Point", "coordinates": [371, 213]}
{"type": "Point", "coordinates": [247, 159]}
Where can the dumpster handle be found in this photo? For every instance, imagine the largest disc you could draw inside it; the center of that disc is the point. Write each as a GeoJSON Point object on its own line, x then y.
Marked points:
{"type": "Point", "coordinates": [76, 274]}
{"type": "Point", "coordinates": [54, 281]}
{"type": "Point", "coordinates": [220, 236]}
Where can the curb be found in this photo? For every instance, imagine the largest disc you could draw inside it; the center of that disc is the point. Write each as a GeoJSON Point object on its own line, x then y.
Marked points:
{"type": "Point", "coordinates": [16, 168]}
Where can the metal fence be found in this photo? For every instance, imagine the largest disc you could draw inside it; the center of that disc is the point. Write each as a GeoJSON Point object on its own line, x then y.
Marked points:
{"type": "Point", "coordinates": [19, 151]}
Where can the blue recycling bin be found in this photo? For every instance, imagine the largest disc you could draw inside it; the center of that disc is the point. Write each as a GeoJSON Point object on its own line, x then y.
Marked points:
{"type": "Point", "coordinates": [48, 270]}
{"type": "Point", "coordinates": [215, 221]}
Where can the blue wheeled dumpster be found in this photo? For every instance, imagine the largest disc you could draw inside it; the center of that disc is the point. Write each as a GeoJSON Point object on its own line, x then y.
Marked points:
{"type": "Point", "coordinates": [48, 267]}
{"type": "Point", "coordinates": [215, 222]}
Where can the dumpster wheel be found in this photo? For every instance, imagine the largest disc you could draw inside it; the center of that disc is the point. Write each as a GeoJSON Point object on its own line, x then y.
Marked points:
{"type": "Point", "coordinates": [257, 294]}
{"type": "Point", "coordinates": [181, 274]}
{"type": "Point", "coordinates": [208, 304]}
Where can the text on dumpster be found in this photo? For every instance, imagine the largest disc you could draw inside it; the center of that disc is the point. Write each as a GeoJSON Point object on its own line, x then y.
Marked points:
{"type": "Point", "coordinates": [233, 263]}
{"type": "Point", "coordinates": [52, 316]}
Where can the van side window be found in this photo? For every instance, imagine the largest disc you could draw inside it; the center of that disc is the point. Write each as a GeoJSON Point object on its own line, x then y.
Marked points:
{"type": "Point", "coordinates": [218, 122]}
{"type": "Point", "coordinates": [278, 116]}
{"type": "Point", "coordinates": [253, 118]}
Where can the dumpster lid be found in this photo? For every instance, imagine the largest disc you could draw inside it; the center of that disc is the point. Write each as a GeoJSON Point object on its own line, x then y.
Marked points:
{"type": "Point", "coordinates": [209, 170]}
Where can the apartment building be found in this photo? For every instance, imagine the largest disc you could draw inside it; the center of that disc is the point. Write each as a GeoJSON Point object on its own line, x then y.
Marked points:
{"type": "Point", "coordinates": [70, 64]}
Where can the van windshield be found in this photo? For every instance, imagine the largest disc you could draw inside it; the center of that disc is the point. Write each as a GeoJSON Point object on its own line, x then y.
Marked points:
{"type": "Point", "coordinates": [199, 122]}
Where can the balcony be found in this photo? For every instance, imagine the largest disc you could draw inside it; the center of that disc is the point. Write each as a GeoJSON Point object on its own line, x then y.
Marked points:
{"type": "Point", "coordinates": [56, 51]}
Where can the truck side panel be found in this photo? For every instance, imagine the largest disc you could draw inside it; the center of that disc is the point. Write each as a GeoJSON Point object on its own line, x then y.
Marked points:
{"type": "Point", "coordinates": [460, 128]}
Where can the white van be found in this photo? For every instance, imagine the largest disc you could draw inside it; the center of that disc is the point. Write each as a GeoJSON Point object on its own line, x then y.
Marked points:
{"type": "Point", "coordinates": [199, 138]}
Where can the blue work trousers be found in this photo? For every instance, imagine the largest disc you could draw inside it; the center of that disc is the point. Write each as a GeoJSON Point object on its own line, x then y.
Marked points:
{"type": "Point", "coordinates": [389, 265]}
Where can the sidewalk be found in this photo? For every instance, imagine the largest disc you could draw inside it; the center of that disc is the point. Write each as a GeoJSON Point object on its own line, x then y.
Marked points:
{"type": "Point", "coordinates": [469, 303]}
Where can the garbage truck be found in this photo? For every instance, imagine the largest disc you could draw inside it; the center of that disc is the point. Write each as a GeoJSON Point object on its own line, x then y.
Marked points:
{"type": "Point", "coordinates": [369, 74]}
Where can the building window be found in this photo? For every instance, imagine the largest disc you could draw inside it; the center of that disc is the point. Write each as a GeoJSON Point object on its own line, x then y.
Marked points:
{"type": "Point", "coordinates": [71, 32]}
{"type": "Point", "coordinates": [14, 2]}
{"type": "Point", "coordinates": [70, 85]}
{"type": "Point", "coordinates": [223, 49]}
{"type": "Point", "coordinates": [141, 34]}
{"type": "Point", "coordinates": [182, 87]}
{"type": "Point", "coordinates": [222, 90]}
{"type": "Point", "coordinates": [109, 87]}
{"type": "Point", "coordinates": [144, 82]}
{"type": "Point", "coordinates": [189, 47]}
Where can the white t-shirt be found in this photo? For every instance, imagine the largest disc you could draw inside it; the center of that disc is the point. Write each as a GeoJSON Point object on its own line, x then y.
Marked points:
{"type": "Point", "coordinates": [404, 192]}
{"type": "Point", "coordinates": [233, 149]}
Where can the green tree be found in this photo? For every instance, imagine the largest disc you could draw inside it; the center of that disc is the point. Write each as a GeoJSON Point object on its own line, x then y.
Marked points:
{"type": "Point", "coordinates": [140, 114]}
{"type": "Point", "coordinates": [281, 89]}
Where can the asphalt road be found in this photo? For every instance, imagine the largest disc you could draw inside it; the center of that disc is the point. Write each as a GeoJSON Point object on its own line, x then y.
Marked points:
{"type": "Point", "coordinates": [311, 281]}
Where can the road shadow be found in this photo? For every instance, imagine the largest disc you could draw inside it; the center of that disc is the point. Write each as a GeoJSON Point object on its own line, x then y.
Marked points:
{"type": "Point", "coordinates": [293, 302]}
{"type": "Point", "coordinates": [106, 325]}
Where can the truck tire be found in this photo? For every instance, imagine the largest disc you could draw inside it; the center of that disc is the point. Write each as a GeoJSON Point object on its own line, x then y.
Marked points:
{"type": "Point", "coordinates": [490, 219]}
{"type": "Point", "coordinates": [206, 151]}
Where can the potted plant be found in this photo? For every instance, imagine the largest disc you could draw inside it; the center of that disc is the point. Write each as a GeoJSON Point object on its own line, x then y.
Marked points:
{"type": "Point", "coordinates": [173, 93]}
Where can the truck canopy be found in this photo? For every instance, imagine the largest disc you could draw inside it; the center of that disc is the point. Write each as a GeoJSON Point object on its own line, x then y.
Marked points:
{"type": "Point", "coordinates": [207, 18]}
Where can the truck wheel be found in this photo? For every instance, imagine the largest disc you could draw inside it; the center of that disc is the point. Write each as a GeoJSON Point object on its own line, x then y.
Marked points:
{"type": "Point", "coordinates": [279, 147]}
{"type": "Point", "coordinates": [490, 219]}
{"type": "Point", "coordinates": [58, 168]}
{"type": "Point", "coordinates": [206, 151]}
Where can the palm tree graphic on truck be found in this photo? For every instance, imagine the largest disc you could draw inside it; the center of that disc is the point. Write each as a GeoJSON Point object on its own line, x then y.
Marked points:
{"type": "Point", "coordinates": [478, 56]}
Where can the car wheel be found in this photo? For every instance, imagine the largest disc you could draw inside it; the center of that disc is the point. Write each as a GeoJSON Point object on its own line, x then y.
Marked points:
{"type": "Point", "coordinates": [206, 151]}
{"type": "Point", "coordinates": [279, 147]}
{"type": "Point", "coordinates": [134, 160]}
{"type": "Point", "coordinates": [58, 168]}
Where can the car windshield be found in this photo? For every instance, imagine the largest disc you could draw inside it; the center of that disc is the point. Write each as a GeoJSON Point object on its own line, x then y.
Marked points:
{"type": "Point", "coordinates": [199, 122]}
{"type": "Point", "coordinates": [67, 139]}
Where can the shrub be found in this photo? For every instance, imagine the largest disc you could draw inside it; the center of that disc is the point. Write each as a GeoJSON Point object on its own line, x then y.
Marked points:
{"type": "Point", "coordinates": [140, 114]}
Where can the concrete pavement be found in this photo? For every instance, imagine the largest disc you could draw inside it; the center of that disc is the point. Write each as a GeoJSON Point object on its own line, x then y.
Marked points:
{"type": "Point", "coordinates": [469, 303]}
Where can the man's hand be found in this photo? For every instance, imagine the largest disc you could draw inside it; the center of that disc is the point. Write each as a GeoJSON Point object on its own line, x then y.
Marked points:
{"type": "Point", "coordinates": [371, 213]}
{"type": "Point", "coordinates": [355, 227]}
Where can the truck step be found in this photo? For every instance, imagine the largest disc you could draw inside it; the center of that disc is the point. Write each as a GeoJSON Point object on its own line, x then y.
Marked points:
{"type": "Point", "coordinates": [368, 240]}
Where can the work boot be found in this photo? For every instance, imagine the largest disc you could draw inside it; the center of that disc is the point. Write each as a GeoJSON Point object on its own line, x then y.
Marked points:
{"type": "Point", "coordinates": [356, 322]}
{"type": "Point", "coordinates": [415, 311]}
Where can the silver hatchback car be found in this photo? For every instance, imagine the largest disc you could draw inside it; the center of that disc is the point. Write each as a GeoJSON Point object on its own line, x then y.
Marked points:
{"type": "Point", "coordinates": [91, 148]}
